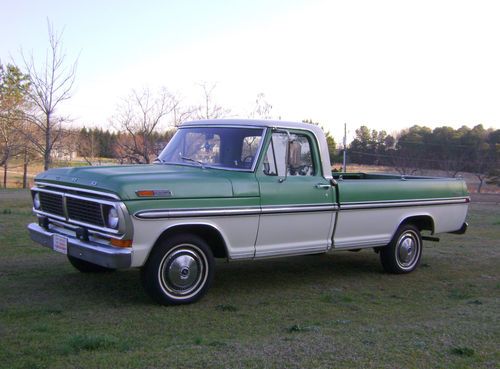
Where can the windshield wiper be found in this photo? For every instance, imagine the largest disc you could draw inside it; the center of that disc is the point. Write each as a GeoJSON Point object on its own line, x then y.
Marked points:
{"type": "Point", "coordinates": [202, 164]}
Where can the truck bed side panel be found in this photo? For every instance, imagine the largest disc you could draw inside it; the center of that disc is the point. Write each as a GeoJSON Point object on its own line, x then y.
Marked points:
{"type": "Point", "coordinates": [372, 210]}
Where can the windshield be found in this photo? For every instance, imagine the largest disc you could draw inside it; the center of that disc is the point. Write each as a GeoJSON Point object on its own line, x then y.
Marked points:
{"type": "Point", "coordinates": [223, 147]}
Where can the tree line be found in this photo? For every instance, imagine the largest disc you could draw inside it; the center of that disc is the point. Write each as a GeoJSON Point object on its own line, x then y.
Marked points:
{"type": "Point", "coordinates": [475, 150]}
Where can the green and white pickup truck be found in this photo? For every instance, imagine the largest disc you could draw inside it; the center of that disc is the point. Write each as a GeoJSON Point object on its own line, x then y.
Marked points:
{"type": "Point", "coordinates": [238, 190]}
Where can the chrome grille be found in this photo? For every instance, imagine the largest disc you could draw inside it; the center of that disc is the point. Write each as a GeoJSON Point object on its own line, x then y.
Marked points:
{"type": "Point", "coordinates": [85, 211]}
{"type": "Point", "coordinates": [74, 208]}
{"type": "Point", "coordinates": [52, 203]}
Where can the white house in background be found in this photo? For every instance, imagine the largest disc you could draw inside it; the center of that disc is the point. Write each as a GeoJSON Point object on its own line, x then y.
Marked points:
{"type": "Point", "coordinates": [64, 152]}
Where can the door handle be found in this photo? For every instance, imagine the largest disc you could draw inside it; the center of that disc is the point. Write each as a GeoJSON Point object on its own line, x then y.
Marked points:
{"type": "Point", "coordinates": [323, 186]}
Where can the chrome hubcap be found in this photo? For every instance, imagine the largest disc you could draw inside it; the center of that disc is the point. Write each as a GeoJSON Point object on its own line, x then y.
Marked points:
{"type": "Point", "coordinates": [183, 271]}
{"type": "Point", "coordinates": [407, 250]}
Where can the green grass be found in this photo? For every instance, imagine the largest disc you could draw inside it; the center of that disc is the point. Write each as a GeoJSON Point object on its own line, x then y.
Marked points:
{"type": "Point", "coordinates": [334, 310]}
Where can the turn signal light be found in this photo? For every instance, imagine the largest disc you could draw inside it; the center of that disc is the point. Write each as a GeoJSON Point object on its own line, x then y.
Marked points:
{"type": "Point", "coordinates": [121, 243]}
{"type": "Point", "coordinates": [154, 193]}
{"type": "Point", "coordinates": [145, 193]}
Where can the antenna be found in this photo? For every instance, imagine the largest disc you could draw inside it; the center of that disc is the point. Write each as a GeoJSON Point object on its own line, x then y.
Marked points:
{"type": "Point", "coordinates": [344, 169]}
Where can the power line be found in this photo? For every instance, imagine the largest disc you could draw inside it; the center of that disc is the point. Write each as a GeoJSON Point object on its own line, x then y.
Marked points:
{"type": "Point", "coordinates": [415, 158]}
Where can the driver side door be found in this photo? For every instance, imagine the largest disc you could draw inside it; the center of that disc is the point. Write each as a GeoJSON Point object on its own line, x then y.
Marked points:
{"type": "Point", "coordinates": [297, 203]}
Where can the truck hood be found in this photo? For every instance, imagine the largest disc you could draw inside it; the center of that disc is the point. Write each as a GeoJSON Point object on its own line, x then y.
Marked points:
{"type": "Point", "coordinates": [125, 180]}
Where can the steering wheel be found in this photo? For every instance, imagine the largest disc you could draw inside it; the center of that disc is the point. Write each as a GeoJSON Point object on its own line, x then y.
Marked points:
{"type": "Point", "coordinates": [247, 161]}
{"type": "Point", "coordinates": [303, 170]}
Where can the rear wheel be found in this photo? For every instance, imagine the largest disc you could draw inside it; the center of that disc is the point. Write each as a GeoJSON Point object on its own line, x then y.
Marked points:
{"type": "Point", "coordinates": [180, 270]}
{"type": "Point", "coordinates": [87, 267]}
{"type": "Point", "coordinates": [403, 254]}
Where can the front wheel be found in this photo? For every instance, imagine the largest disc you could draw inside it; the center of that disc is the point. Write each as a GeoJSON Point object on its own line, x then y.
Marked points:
{"type": "Point", "coordinates": [403, 254]}
{"type": "Point", "coordinates": [179, 270]}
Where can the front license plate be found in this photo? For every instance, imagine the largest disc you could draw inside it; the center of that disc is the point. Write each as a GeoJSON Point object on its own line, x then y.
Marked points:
{"type": "Point", "coordinates": [60, 244]}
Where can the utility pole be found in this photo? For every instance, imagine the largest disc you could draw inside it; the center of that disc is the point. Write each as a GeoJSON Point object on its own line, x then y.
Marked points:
{"type": "Point", "coordinates": [344, 169]}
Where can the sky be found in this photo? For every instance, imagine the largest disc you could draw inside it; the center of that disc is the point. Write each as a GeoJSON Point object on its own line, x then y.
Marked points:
{"type": "Point", "coordinates": [384, 64]}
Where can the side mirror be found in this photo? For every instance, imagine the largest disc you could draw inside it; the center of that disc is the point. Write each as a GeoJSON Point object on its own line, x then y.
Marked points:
{"type": "Point", "coordinates": [294, 153]}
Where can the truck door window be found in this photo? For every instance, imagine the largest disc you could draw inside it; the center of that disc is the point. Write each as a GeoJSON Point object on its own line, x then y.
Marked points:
{"type": "Point", "coordinates": [300, 162]}
{"type": "Point", "coordinates": [300, 157]}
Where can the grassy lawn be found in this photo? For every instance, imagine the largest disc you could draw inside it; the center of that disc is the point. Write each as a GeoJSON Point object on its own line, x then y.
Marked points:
{"type": "Point", "coordinates": [334, 310]}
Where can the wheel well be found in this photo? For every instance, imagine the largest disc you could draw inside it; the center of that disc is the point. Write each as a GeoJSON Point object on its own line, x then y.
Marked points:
{"type": "Point", "coordinates": [422, 222]}
{"type": "Point", "coordinates": [211, 236]}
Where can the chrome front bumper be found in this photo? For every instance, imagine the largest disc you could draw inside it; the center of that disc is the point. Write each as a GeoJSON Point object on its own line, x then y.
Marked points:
{"type": "Point", "coordinates": [93, 252]}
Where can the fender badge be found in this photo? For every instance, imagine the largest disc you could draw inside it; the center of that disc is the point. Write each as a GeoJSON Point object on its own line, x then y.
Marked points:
{"type": "Point", "coordinates": [74, 179]}
{"type": "Point", "coordinates": [93, 183]}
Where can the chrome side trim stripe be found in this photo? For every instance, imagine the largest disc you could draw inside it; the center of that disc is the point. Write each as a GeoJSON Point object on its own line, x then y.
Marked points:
{"type": "Point", "coordinates": [403, 203]}
{"type": "Point", "coordinates": [298, 208]}
{"type": "Point", "coordinates": [253, 210]}
{"type": "Point", "coordinates": [182, 213]}
{"type": "Point", "coordinates": [272, 209]}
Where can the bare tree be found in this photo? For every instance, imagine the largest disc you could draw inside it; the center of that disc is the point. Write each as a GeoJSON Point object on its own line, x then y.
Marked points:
{"type": "Point", "coordinates": [407, 157]}
{"type": "Point", "coordinates": [181, 113]}
{"type": "Point", "coordinates": [51, 84]}
{"type": "Point", "coordinates": [209, 109]}
{"type": "Point", "coordinates": [262, 108]}
{"type": "Point", "coordinates": [28, 155]}
{"type": "Point", "coordinates": [404, 162]}
{"type": "Point", "coordinates": [455, 164]}
{"type": "Point", "coordinates": [484, 162]}
{"type": "Point", "coordinates": [26, 152]}
{"type": "Point", "coordinates": [138, 118]}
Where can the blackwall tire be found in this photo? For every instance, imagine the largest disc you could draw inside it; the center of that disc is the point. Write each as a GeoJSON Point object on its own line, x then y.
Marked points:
{"type": "Point", "coordinates": [179, 270]}
{"type": "Point", "coordinates": [87, 267]}
{"type": "Point", "coordinates": [403, 254]}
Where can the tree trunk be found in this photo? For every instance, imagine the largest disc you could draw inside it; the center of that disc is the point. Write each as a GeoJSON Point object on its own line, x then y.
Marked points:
{"type": "Point", "coordinates": [5, 167]}
{"type": "Point", "coordinates": [481, 181]}
{"type": "Point", "coordinates": [48, 148]}
{"type": "Point", "coordinates": [25, 175]}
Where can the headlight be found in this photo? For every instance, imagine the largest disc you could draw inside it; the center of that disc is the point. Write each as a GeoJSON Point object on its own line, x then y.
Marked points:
{"type": "Point", "coordinates": [36, 201]}
{"type": "Point", "coordinates": [113, 219]}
